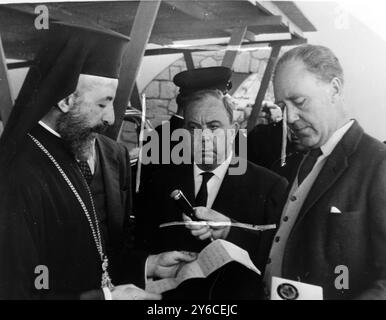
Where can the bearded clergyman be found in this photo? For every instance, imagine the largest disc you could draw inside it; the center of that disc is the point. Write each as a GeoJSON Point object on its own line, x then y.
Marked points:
{"type": "Point", "coordinates": [53, 242]}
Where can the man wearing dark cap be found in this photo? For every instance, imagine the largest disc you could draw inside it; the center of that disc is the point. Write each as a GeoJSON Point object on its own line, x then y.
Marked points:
{"type": "Point", "coordinates": [220, 192]}
{"type": "Point", "coordinates": [188, 81]}
{"type": "Point", "coordinates": [52, 242]}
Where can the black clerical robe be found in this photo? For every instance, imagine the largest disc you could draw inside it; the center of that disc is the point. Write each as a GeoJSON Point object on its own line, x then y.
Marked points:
{"type": "Point", "coordinates": [42, 224]}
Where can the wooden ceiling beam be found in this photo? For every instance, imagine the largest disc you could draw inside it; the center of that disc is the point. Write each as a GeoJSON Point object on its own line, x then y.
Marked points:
{"type": "Point", "coordinates": [271, 8]}
{"type": "Point", "coordinates": [192, 9]}
{"type": "Point", "coordinates": [250, 36]}
{"type": "Point", "coordinates": [167, 27]}
{"type": "Point", "coordinates": [6, 99]}
{"type": "Point", "coordinates": [58, 13]}
{"type": "Point", "coordinates": [263, 87]}
{"type": "Point", "coordinates": [233, 47]}
{"type": "Point", "coordinates": [217, 47]}
{"type": "Point", "coordinates": [140, 34]}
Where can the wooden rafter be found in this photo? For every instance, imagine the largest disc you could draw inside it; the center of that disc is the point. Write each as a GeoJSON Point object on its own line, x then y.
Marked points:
{"type": "Point", "coordinates": [263, 87]}
{"type": "Point", "coordinates": [271, 8]}
{"type": "Point", "coordinates": [192, 9]}
{"type": "Point", "coordinates": [140, 34]}
{"type": "Point", "coordinates": [6, 99]}
{"type": "Point", "coordinates": [56, 13]}
{"type": "Point", "coordinates": [233, 47]}
{"type": "Point", "coordinates": [245, 44]}
{"type": "Point", "coordinates": [189, 60]}
{"type": "Point", "coordinates": [165, 27]}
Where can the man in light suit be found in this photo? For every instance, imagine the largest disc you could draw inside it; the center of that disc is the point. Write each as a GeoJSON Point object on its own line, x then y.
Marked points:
{"type": "Point", "coordinates": [333, 226]}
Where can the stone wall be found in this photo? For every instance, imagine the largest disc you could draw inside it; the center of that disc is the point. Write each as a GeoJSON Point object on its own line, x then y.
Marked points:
{"type": "Point", "coordinates": [161, 92]}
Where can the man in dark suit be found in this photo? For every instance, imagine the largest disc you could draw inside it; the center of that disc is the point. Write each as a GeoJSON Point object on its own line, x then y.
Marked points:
{"type": "Point", "coordinates": [333, 226]}
{"type": "Point", "coordinates": [220, 189]}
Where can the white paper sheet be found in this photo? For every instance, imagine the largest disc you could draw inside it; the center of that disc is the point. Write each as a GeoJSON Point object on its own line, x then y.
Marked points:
{"type": "Point", "coordinates": [212, 257]}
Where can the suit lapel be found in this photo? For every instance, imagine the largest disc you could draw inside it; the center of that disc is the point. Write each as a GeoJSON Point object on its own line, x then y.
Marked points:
{"type": "Point", "coordinates": [331, 171]}
{"type": "Point", "coordinates": [334, 167]}
{"type": "Point", "coordinates": [110, 172]}
{"type": "Point", "coordinates": [229, 186]}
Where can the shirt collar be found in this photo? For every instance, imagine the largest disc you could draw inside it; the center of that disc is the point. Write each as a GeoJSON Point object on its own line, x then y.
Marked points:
{"type": "Point", "coordinates": [219, 172]}
{"type": "Point", "coordinates": [331, 143]}
{"type": "Point", "coordinates": [45, 126]}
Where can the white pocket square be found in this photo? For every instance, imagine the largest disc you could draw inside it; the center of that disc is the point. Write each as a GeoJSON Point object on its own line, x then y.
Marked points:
{"type": "Point", "coordinates": [335, 210]}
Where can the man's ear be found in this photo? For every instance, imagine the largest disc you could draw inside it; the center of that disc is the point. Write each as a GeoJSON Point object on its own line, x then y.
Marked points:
{"type": "Point", "coordinates": [65, 104]}
{"type": "Point", "coordinates": [336, 89]}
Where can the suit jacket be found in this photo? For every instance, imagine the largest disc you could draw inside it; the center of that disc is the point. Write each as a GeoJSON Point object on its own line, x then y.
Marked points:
{"type": "Point", "coordinates": [128, 266]}
{"type": "Point", "coordinates": [254, 197]}
{"type": "Point", "coordinates": [353, 180]}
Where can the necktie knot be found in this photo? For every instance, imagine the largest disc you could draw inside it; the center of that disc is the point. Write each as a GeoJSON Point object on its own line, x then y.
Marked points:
{"type": "Point", "coordinates": [206, 176]}
{"type": "Point", "coordinates": [308, 163]}
{"type": "Point", "coordinates": [315, 153]}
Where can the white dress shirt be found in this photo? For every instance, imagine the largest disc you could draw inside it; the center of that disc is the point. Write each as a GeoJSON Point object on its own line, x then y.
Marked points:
{"type": "Point", "coordinates": [214, 182]}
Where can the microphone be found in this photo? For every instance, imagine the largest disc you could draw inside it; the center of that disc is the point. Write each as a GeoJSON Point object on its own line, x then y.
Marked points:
{"type": "Point", "coordinates": [183, 204]}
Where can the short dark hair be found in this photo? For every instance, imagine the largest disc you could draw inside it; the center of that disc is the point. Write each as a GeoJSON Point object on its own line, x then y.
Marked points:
{"type": "Point", "coordinates": [318, 60]}
{"type": "Point", "coordinates": [215, 93]}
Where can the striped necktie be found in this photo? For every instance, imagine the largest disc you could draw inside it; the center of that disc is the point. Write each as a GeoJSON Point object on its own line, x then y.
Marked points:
{"type": "Point", "coordinates": [86, 171]}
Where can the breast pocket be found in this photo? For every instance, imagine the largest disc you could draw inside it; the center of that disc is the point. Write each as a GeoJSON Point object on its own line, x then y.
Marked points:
{"type": "Point", "coordinates": [343, 234]}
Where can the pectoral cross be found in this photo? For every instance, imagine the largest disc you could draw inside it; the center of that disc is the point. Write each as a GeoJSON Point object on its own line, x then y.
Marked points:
{"type": "Point", "coordinates": [106, 280]}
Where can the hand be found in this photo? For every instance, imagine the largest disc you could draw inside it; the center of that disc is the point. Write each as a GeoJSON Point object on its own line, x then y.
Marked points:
{"type": "Point", "coordinates": [205, 230]}
{"type": "Point", "coordinates": [167, 264]}
{"type": "Point", "coordinates": [271, 112]}
{"type": "Point", "coordinates": [131, 292]}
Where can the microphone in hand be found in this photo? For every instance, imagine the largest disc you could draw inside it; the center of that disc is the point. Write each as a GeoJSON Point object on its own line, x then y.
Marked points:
{"type": "Point", "coordinates": [183, 204]}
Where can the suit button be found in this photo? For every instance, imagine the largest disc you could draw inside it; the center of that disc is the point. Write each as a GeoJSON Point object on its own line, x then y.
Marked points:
{"type": "Point", "coordinates": [285, 219]}
{"type": "Point", "coordinates": [269, 260]}
{"type": "Point", "coordinates": [277, 239]}
{"type": "Point", "coordinates": [293, 198]}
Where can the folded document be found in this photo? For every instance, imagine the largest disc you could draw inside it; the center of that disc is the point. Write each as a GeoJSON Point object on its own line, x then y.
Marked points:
{"type": "Point", "coordinates": [212, 257]}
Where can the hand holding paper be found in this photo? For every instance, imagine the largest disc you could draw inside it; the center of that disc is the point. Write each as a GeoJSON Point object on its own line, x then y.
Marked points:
{"type": "Point", "coordinates": [212, 257]}
{"type": "Point", "coordinates": [166, 264]}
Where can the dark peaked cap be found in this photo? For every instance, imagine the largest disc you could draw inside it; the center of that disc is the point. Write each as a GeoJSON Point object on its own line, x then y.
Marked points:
{"type": "Point", "coordinates": [203, 78]}
{"type": "Point", "coordinates": [67, 52]}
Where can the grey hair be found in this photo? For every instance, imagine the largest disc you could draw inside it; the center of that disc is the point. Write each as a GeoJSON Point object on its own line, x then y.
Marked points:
{"type": "Point", "coordinates": [319, 60]}
{"type": "Point", "coordinates": [215, 93]}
